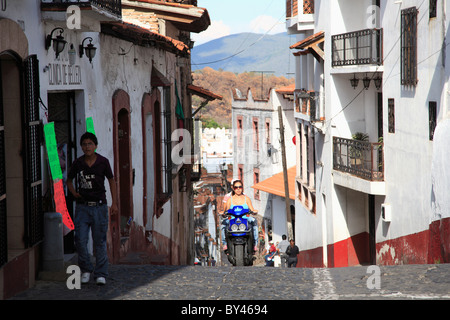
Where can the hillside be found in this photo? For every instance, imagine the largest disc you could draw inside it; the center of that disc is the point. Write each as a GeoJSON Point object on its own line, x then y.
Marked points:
{"type": "Point", "coordinates": [246, 52]}
{"type": "Point", "coordinates": [222, 82]}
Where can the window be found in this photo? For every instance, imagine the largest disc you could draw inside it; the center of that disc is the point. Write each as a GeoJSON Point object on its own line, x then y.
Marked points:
{"type": "Point", "coordinates": [241, 172]}
{"type": "Point", "coordinates": [255, 181]}
{"type": "Point", "coordinates": [267, 131]}
{"type": "Point", "coordinates": [409, 47]}
{"type": "Point", "coordinates": [391, 116]}
{"type": "Point", "coordinates": [255, 134]}
{"type": "Point", "coordinates": [433, 9]}
{"type": "Point", "coordinates": [166, 145]}
{"type": "Point", "coordinates": [306, 179]}
{"type": "Point", "coordinates": [432, 116]}
{"type": "Point", "coordinates": [240, 139]}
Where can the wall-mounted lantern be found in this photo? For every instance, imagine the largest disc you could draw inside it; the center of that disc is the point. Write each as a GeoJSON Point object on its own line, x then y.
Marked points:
{"type": "Point", "coordinates": [89, 50]}
{"type": "Point", "coordinates": [58, 43]}
{"type": "Point", "coordinates": [378, 80]}
{"type": "Point", "coordinates": [354, 81]}
{"type": "Point", "coordinates": [366, 82]}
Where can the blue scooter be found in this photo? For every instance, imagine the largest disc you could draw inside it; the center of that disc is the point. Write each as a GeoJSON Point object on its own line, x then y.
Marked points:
{"type": "Point", "coordinates": [239, 237]}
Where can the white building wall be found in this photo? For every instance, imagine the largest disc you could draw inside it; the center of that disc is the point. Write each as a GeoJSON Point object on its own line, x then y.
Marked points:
{"type": "Point", "coordinates": [268, 166]}
{"type": "Point", "coordinates": [407, 152]}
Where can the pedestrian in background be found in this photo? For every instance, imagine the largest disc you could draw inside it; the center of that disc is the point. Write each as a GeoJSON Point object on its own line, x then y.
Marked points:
{"type": "Point", "coordinates": [292, 252]}
{"type": "Point", "coordinates": [282, 247]}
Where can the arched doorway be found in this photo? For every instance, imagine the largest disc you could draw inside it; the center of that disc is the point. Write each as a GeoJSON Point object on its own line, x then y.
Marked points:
{"type": "Point", "coordinates": [21, 215]}
{"type": "Point", "coordinates": [11, 135]}
{"type": "Point", "coordinates": [123, 172]}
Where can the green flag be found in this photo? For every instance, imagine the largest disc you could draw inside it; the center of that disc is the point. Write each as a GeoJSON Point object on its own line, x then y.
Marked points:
{"type": "Point", "coordinates": [52, 151]}
{"type": "Point", "coordinates": [179, 108]}
{"type": "Point", "coordinates": [90, 125]}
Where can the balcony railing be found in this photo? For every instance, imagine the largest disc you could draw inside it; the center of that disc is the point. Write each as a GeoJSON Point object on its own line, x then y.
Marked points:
{"type": "Point", "coordinates": [357, 48]}
{"type": "Point", "coordinates": [308, 103]}
{"type": "Point", "coordinates": [113, 7]}
{"type": "Point", "coordinates": [360, 158]}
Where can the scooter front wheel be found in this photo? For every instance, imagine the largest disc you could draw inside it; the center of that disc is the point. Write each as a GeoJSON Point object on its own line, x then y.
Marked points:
{"type": "Point", "coordinates": [239, 255]}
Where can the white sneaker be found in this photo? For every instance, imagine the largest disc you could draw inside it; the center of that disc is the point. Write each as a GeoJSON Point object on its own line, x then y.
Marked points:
{"type": "Point", "coordinates": [85, 276]}
{"type": "Point", "coordinates": [101, 281]}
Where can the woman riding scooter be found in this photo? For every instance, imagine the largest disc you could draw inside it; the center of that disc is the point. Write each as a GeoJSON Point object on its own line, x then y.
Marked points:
{"type": "Point", "coordinates": [238, 198]}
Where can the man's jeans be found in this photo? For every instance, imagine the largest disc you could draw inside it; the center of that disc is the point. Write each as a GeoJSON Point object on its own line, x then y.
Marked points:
{"type": "Point", "coordinates": [96, 219]}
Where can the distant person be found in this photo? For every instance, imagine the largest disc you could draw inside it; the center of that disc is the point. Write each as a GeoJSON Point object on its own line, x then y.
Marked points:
{"type": "Point", "coordinates": [292, 252]}
{"type": "Point", "coordinates": [282, 246]}
{"type": "Point", "coordinates": [269, 254]}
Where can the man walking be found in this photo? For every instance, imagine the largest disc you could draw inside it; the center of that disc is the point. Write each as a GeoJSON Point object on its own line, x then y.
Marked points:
{"type": "Point", "coordinates": [91, 212]}
{"type": "Point", "coordinates": [292, 251]}
{"type": "Point", "coordinates": [282, 247]}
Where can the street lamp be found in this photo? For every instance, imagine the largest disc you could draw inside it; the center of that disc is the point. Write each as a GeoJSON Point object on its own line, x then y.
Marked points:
{"type": "Point", "coordinates": [89, 49]}
{"type": "Point", "coordinates": [58, 43]}
{"type": "Point", "coordinates": [354, 82]}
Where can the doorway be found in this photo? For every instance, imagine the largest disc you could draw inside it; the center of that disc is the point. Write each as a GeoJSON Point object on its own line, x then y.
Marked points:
{"type": "Point", "coordinates": [120, 224]}
{"type": "Point", "coordinates": [12, 198]}
{"type": "Point", "coordinates": [21, 222]}
{"type": "Point", "coordinates": [61, 111]}
{"type": "Point", "coordinates": [125, 185]}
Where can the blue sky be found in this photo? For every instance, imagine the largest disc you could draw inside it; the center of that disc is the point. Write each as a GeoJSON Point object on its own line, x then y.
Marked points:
{"type": "Point", "coordinates": [236, 16]}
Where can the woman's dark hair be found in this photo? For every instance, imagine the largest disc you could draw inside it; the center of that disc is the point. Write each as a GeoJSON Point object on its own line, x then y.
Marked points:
{"type": "Point", "coordinates": [89, 135]}
{"type": "Point", "coordinates": [234, 182]}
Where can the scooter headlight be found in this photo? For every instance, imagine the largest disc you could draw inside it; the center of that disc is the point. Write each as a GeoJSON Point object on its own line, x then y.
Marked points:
{"type": "Point", "coordinates": [234, 227]}
{"type": "Point", "coordinates": [242, 227]}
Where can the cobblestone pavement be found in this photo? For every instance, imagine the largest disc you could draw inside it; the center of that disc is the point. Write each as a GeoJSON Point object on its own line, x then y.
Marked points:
{"type": "Point", "coordinates": [150, 282]}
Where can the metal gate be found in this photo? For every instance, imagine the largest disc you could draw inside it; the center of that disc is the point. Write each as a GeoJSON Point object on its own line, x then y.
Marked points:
{"type": "Point", "coordinates": [3, 230]}
{"type": "Point", "coordinates": [34, 222]}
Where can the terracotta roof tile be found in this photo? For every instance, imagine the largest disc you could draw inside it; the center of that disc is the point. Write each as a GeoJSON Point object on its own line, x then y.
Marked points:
{"type": "Point", "coordinates": [275, 184]}
{"type": "Point", "coordinates": [142, 36]}
{"type": "Point", "coordinates": [286, 90]}
{"type": "Point", "coordinates": [307, 41]}
{"type": "Point", "coordinates": [204, 93]}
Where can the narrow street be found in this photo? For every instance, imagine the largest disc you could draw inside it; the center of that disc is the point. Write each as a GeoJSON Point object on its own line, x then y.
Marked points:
{"type": "Point", "coordinates": [258, 283]}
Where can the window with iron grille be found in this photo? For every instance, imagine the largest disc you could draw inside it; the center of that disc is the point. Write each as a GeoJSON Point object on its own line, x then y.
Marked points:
{"type": "Point", "coordinates": [166, 144]}
{"type": "Point", "coordinates": [391, 116]}
{"type": "Point", "coordinates": [432, 118]}
{"type": "Point", "coordinates": [34, 216]}
{"type": "Point", "coordinates": [433, 8]}
{"type": "Point", "coordinates": [409, 47]}
{"type": "Point", "coordinates": [3, 230]}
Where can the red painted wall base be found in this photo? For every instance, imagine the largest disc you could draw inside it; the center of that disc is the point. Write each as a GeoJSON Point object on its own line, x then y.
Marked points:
{"type": "Point", "coordinates": [429, 246]}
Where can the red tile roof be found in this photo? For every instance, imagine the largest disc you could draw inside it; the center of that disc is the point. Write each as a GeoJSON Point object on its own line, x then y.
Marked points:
{"type": "Point", "coordinates": [204, 93]}
{"type": "Point", "coordinates": [144, 37]}
{"type": "Point", "coordinates": [303, 44]}
{"type": "Point", "coordinates": [286, 90]}
{"type": "Point", "coordinates": [275, 184]}
{"type": "Point", "coordinates": [185, 16]}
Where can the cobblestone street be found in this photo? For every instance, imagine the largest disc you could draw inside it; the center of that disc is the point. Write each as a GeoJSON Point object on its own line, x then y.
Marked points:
{"type": "Point", "coordinates": [150, 282]}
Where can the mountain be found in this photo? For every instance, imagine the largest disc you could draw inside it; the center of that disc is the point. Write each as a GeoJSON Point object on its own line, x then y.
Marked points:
{"type": "Point", "coordinates": [246, 52]}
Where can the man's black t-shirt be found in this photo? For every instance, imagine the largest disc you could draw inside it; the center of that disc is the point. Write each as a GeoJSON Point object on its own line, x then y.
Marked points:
{"type": "Point", "coordinates": [91, 180]}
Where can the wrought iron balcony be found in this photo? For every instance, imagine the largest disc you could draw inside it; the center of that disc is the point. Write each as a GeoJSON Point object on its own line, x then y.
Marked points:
{"type": "Point", "coordinates": [113, 7]}
{"type": "Point", "coordinates": [360, 158]}
{"type": "Point", "coordinates": [357, 48]}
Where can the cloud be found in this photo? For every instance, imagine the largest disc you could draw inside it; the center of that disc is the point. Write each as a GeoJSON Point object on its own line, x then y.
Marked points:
{"type": "Point", "coordinates": [217, 29]}
{"type": "Point", "coordinates": [264, 23]}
